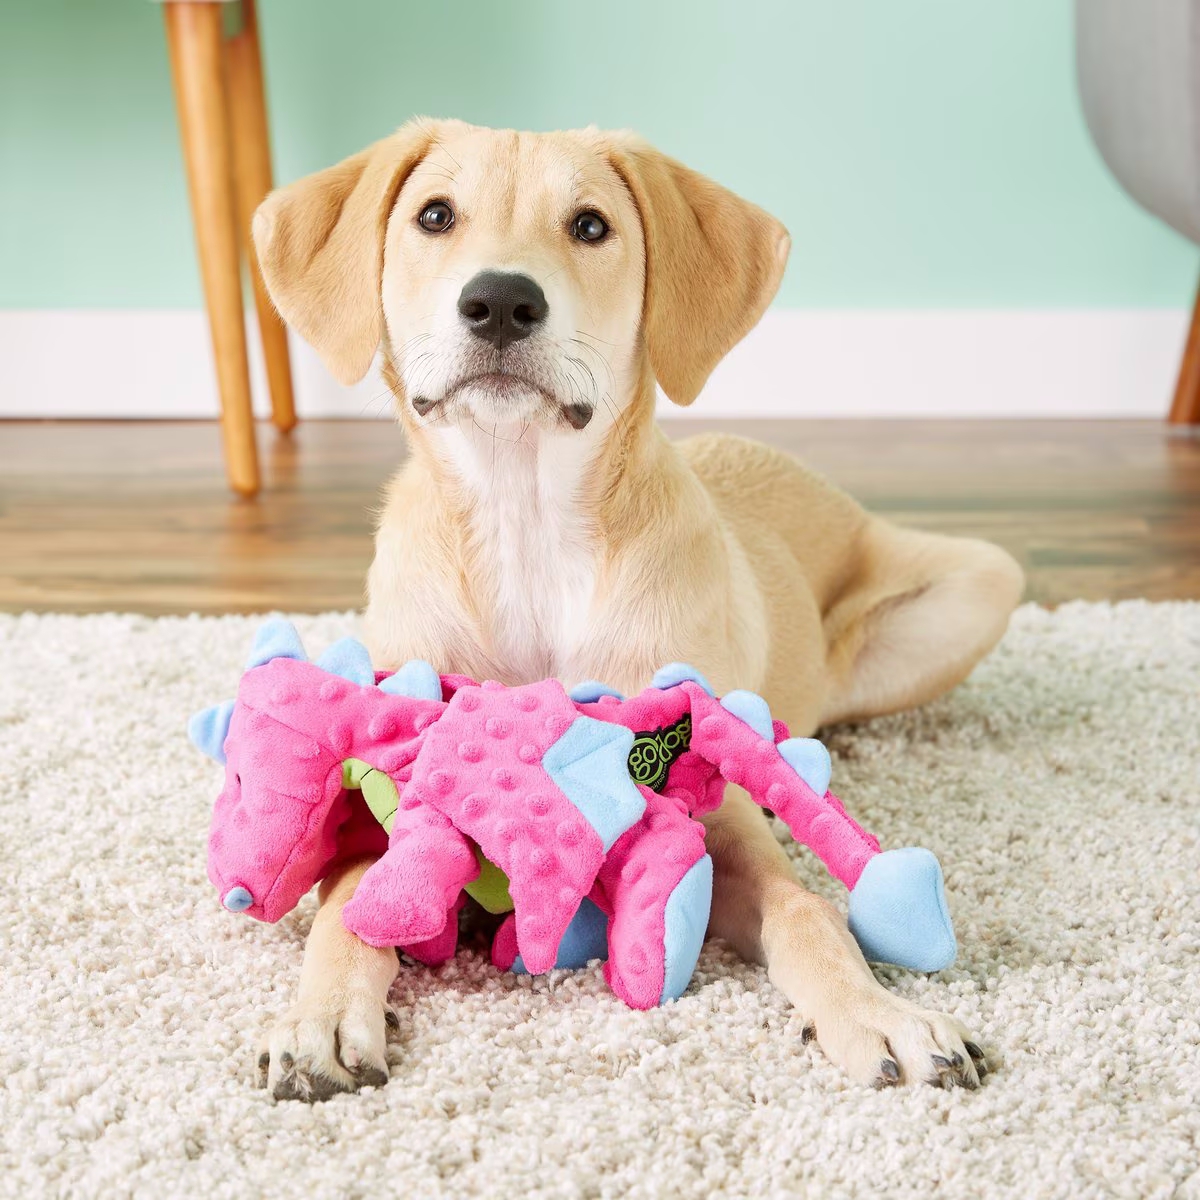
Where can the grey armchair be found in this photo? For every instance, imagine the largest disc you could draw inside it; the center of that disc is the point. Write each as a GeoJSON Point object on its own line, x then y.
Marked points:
{"type": "Point", "coordinates": [1138, 68]}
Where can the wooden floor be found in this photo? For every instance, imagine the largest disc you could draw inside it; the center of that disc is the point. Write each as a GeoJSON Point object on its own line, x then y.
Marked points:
{"type": "Point", "coordinates": [136, 516]}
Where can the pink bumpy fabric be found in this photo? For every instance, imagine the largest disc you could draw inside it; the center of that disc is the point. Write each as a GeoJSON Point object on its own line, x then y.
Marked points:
{"type": "Point", "coordinates": [480, 774]}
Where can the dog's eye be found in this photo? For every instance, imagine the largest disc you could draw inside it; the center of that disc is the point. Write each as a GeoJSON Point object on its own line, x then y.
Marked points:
{"type": "Point", "coordinates": [589, 226]}
{"type": "Point", "coordinates": [436, 217]}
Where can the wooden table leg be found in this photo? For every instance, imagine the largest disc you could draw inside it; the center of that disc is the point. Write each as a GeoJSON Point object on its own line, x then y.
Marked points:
{"type": "Point", "coordinates": [194, 39]}
{"type": "Point", "coordinates": [252, 177]}
{"type": "Point", "coordinates": [1185, 409]}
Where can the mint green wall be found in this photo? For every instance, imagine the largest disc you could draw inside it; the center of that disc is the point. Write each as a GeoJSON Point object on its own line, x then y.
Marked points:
{"type": "Point", "coordinates": [923, 152]}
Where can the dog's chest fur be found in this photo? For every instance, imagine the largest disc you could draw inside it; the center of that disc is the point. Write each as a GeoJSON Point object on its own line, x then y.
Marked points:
{"type": "Point", "coordinates": [535, 559]}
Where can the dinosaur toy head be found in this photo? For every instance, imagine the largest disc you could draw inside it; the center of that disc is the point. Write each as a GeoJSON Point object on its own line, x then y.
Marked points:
{"type": "Point", "coordinates": [294, 800]}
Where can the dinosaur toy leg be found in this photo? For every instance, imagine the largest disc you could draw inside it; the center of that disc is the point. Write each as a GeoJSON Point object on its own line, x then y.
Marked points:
{"type": "Point", "coordinates": [898, 911]}
{"type": "Point", "coordinates": [404, 898]}
{"type": "Point", "coordinates": [441, 947]}
{"type": "Point", "coordinates": [656, 885]}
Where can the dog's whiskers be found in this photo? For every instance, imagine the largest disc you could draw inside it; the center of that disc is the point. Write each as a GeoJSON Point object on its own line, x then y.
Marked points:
{"type": "Point", "coordinates": [597, 396]}
{"type": "Point", "coordinates": [594, 338]}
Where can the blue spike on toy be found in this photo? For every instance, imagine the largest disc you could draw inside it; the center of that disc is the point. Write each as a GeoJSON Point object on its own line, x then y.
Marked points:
{"type": "Point", "coordinates": [898, 911]}
{"type": "Point", "coordinates": [673, 674]}
{"type": "Point", "coordinates": [237, 899]}
{"type": "Point", "coordinates": [589, 691]}
{"type": "Point", "coordinates": [349, 659]}
{"type": "Point", "coordinates": [416, 679]}
{"type": "Point", "coordinates": [275, 638]}
{"type": "Point", "coordinates": [751, 708]}
{"type": "Point", "coordinates": [810, 760]}
{"type": "Point", "coordinates": [208, 729]}
{"type": "Point", "coordinates": [590, 765]}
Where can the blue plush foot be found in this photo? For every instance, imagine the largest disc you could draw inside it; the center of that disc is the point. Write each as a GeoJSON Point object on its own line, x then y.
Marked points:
{"type": "Point", "coordinates": [898, 911]}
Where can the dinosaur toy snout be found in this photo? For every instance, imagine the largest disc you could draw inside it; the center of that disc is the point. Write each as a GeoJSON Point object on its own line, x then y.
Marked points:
{"type": "Point", "coordinates": [237, 899]}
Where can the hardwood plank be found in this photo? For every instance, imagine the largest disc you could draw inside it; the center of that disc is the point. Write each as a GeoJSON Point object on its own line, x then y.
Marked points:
{"type": "Point", "coordinates": [136, 516]}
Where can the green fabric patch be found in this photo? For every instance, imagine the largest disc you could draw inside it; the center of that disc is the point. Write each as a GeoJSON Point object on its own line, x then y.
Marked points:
{"type": "Point", "coordinates": [377, 788]}
{"type": "Point", "coordinates": [353, 769]}
{"type": "Point", "coordinates": [491, 888]}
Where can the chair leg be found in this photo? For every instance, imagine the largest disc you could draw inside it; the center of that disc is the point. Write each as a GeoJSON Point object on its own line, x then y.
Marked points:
{"type": "Point", "coordinates": [1185, 408]}
{"type": "Point", "coordinates": [252, 176]}
{"type": "Point", "coordinates": [194, 40]}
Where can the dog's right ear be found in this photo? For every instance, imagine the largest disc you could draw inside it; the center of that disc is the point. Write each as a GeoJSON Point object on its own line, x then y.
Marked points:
{"type": "Point", "coordinates": [320, 248]}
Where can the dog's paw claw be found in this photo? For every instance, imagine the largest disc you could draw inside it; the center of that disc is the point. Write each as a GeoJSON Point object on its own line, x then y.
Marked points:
{"type": "Point", "coordinates": [889, 1075]}
{"type": "Point", "coordinates": [978, 1058]}
{"type": "Point", "coordinates": [319, 1050]}
{"type": "Point", "coordinates": [371, 1077]}
{"type": "Point", "coordinates": [949, 1072]}
{"type": "Point", "coordinates": [308, 1086]}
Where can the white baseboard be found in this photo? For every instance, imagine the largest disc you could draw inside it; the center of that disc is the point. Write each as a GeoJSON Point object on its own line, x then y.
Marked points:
{"type": "Point", "coordinates": [798, 362]}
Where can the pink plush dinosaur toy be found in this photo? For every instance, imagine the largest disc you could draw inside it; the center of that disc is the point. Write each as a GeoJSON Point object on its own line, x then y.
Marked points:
{"type": "Point", "coordinates": [574, 813]}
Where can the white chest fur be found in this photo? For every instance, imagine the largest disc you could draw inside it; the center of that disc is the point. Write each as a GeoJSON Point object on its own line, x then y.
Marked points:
{"type": "Point", "coordinates": [534, 553]}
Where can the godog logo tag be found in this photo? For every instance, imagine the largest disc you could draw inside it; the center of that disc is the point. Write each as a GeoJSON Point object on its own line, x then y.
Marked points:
{"type": "Point", "coordinates": [653, 752]}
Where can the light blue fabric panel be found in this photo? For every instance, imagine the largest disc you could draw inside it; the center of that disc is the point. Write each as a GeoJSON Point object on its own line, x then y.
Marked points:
{"type": "Point", "coordinates": [590, 765]}
{"type": "Point", "coordinates": [751, 708]}
{"type": "Point", "coordinates": [674, 674]}
{"type": "Point", "coordinates": [586, 938]}
{"type": "Point", "coordinates": [209, 728]}
{"type": "Point", "coordinates": [810, 760]}
{"type": "Point", "coordinates": [237, 899]}
{"type": "Point", "coordinates": [349, 659]}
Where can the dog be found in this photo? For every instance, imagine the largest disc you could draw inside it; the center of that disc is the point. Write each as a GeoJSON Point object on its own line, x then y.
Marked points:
{"type": "Point", "coordinates": [528, 291]}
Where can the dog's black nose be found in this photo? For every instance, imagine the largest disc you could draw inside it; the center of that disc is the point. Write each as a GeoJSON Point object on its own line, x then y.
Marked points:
{"type": "Point", "coordinates": [502, 307]}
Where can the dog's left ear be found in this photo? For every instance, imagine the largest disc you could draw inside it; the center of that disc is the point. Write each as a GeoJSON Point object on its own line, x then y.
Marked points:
{"type": "Point", "coordinates": [713, 263]}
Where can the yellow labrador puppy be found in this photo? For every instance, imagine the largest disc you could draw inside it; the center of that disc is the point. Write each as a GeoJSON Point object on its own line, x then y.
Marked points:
{"type": "Point", "coordinates": [527, 291]}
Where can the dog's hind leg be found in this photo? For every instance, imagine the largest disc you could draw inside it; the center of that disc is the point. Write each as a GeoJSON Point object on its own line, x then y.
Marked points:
{"type": "Point", "coordinates": [920, 610]}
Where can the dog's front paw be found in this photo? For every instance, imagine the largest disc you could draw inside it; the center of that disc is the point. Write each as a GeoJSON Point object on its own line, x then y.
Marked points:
{"type": "Point", "coordinates": [325, 1046]}
{"type": "Point", "coordinates": [885, 1041]}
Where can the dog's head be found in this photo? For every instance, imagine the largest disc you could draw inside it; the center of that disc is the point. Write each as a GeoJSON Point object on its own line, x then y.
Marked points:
{"type": "Point", "coordinates": [531, 278]}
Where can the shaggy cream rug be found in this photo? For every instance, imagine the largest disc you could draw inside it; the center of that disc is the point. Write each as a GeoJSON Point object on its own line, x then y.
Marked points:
{"type": "Point", "coordinates": [1059, 787]}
